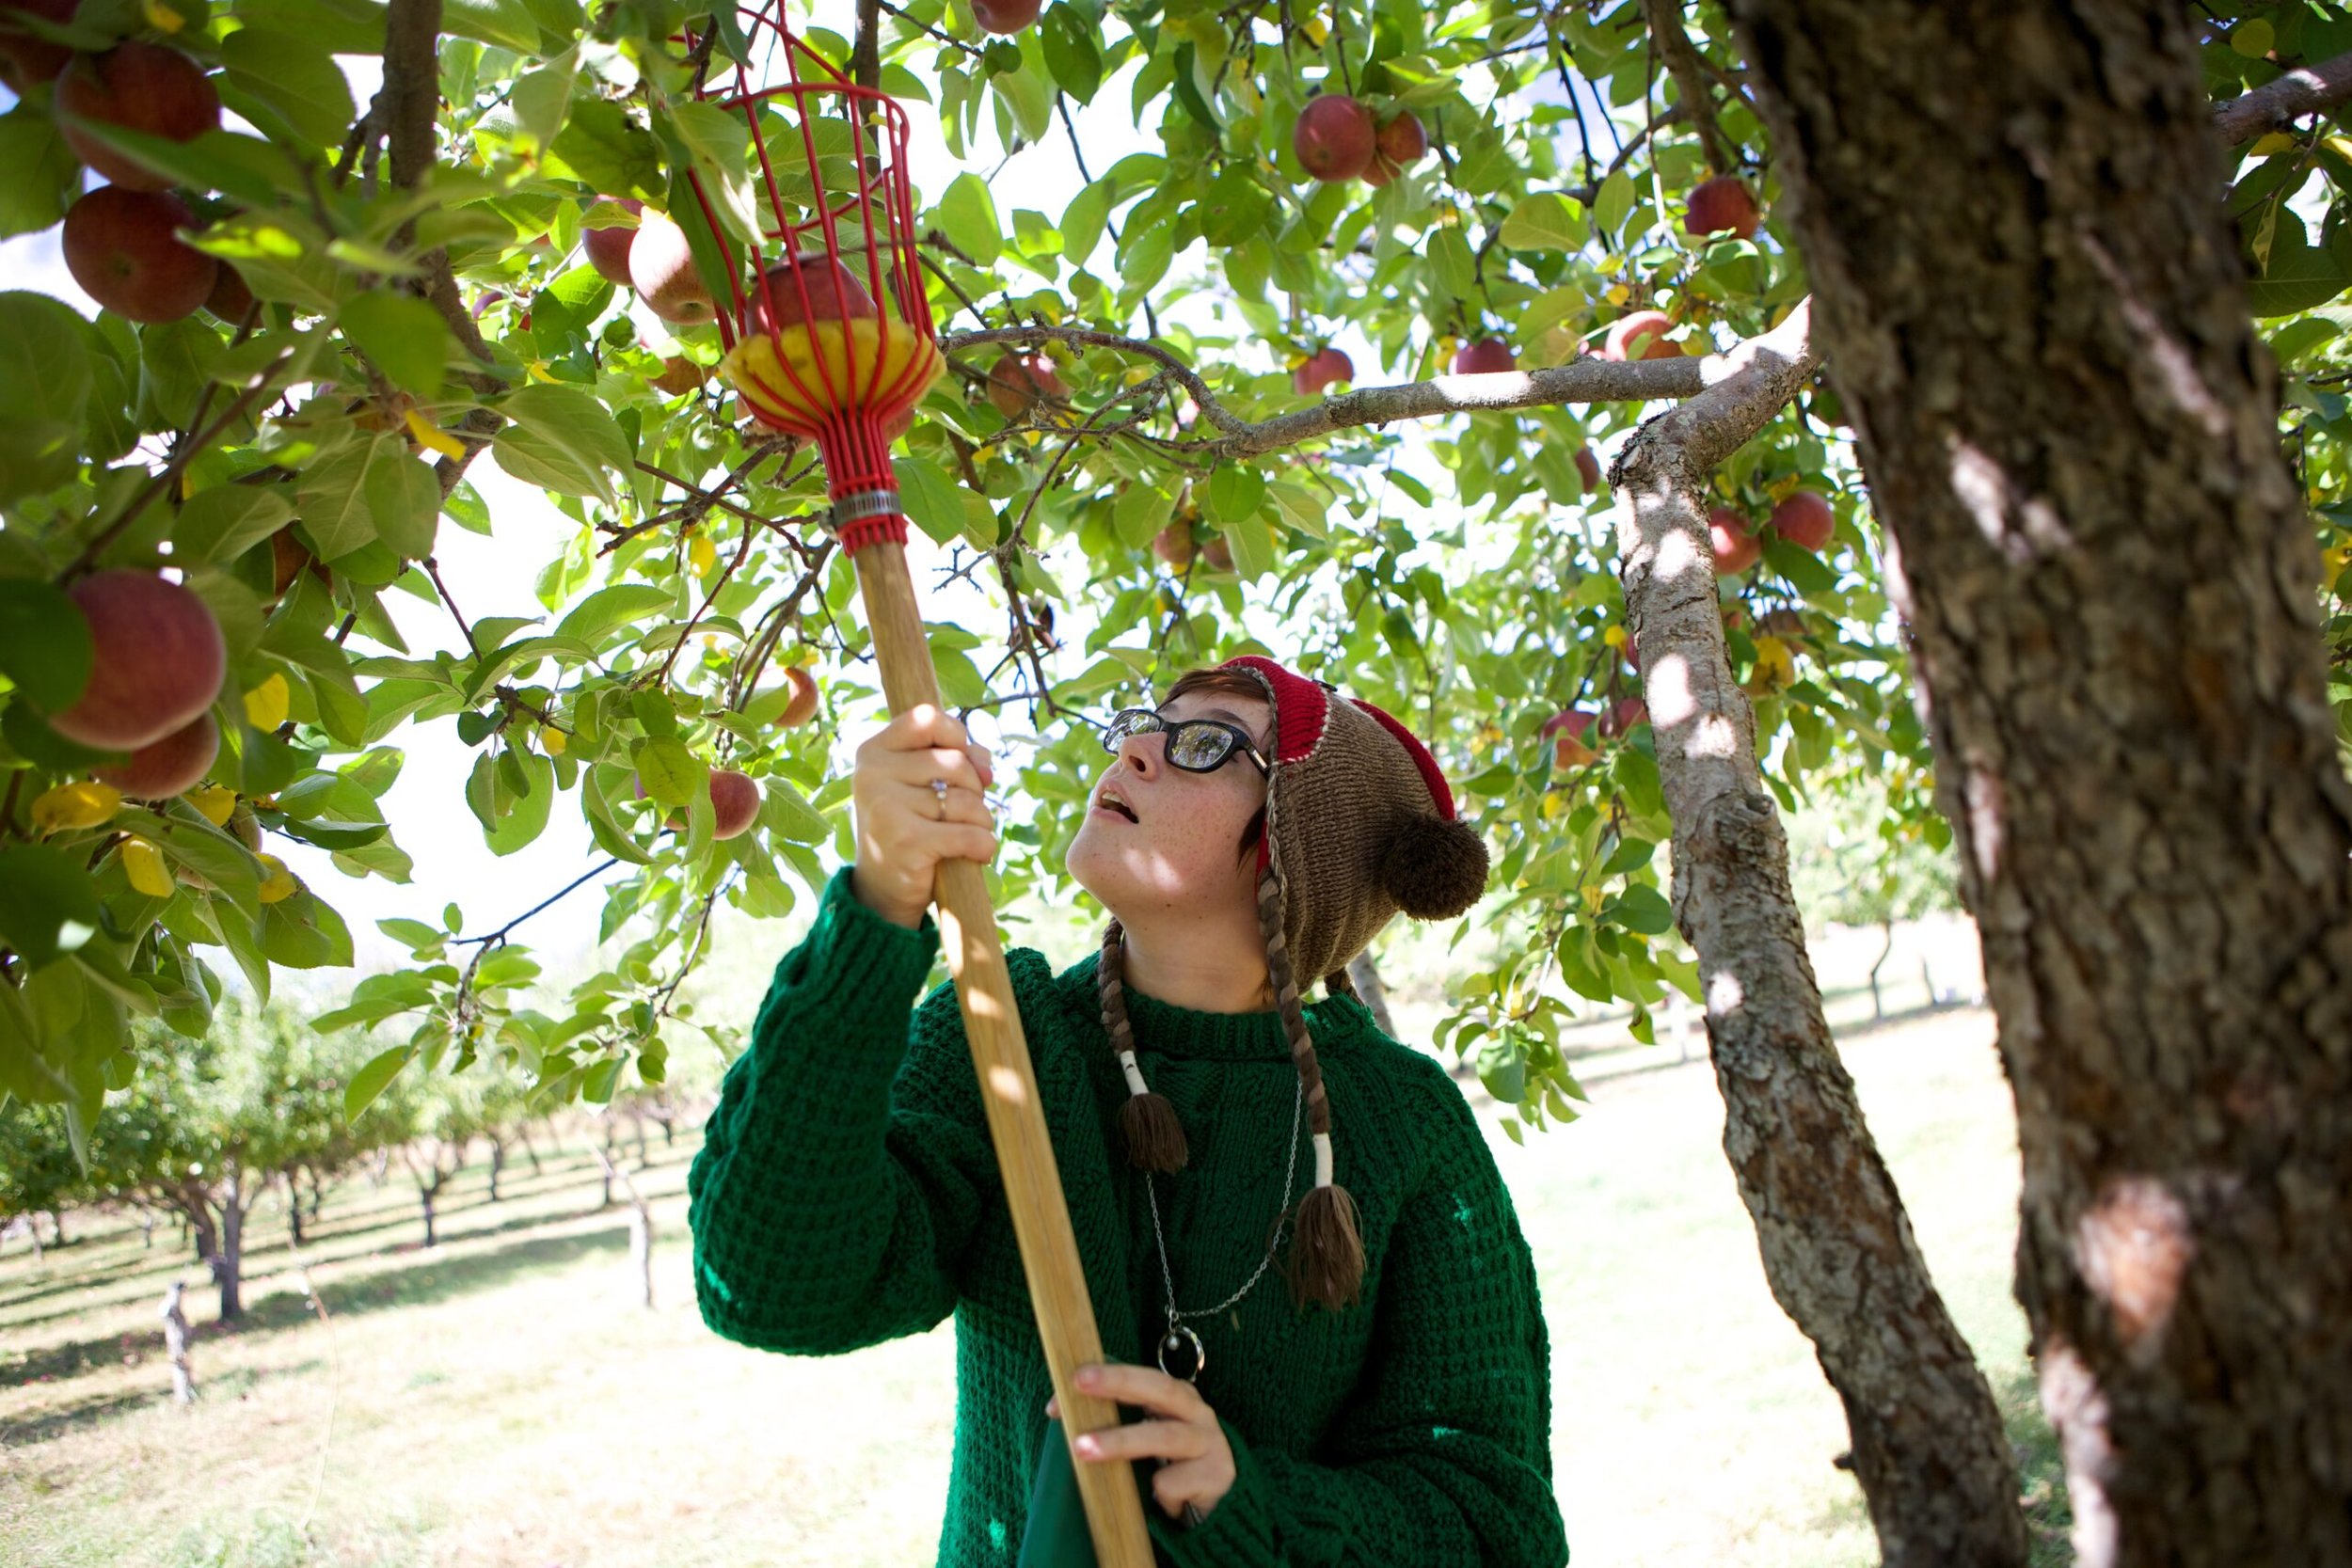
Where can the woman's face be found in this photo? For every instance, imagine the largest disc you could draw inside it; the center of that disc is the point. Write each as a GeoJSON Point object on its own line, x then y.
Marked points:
{"type": "Point", "coordinates": [1181, 853]}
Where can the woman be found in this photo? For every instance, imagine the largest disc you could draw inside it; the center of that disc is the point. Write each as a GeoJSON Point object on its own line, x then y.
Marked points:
{"type": "Point", "coordinates": [1356, 1375]}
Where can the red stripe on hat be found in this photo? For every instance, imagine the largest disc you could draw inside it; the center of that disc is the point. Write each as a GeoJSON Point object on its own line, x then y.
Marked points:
{"type": "Point", "coordinates": [1299, 711]}
{"type": "Point", "coordinates": [1439, 790]}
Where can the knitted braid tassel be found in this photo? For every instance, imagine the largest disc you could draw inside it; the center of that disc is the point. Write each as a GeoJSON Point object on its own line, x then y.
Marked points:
{"type": "Point", "coordinates": [1327, 1257]}
{"type": "Point", "coordinates": [1147, 1122]}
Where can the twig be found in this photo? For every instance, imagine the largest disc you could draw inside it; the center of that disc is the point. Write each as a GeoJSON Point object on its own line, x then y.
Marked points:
{"type": "Point", "coordinates": [501, 933]}
{"type": "Point", "coordinates": [1683, 64]}
{"type": "Point", "coordinates": [433, 570]}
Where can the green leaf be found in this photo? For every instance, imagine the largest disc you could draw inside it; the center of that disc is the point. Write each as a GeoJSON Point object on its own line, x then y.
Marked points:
{"type": "Point", "coordinates": [1252, 541]}
{"type": "Point", "coordinates": [933, 500]}
{"type": "Point", "coordinates": [2297, 276]}
{"type": "Point", "coordinates": [48, 905]}
{"type": "Point", "coordinates": [1805, 572]}
{"type": "Point", "coordinates": [1614, 203]}
{"type": "Point", "coordinates": [608, 150]}
{"type": "Point", "coordinates": [334, 496]}
{"type": "Point", "coordinates": [542, 98]}
{"type": "Point", "coordinates": [562, 439]}
{"type": "Point", "coordinates": [528, 818]}
{"type": "Point", "coordinates": [294, 75]}
{"type": "Point", "coordinates": [1450, 260]}
{"type": "Point", "coordinates": [1140, 512]}
{"type": "Point", "coordinates": [968, 215]}
{"type": "Point", "coordinates": [1548, 221]}
{"type": "Point", "coordinates": [507, 23]}
{"type": "Point", "coordinates": [1235, 493]}
{"type": "Point", "coordinates": [613, 606]}
{"type": "Point", "coordinates": [1642, 907]}
{"type": "Point", "coordinates": [404, 499]}
{"type": "Point", "coordinates": [402, 334]}
{"type": "Point", "coordinates": [1630, 855]}
{"type": "Point", "coordinates": [1067, 39]}
{"type": "Point", "coordinates": [373, 1078]}
{"type": "Point", "coordinates": [43, 176]}
{"type": "Point", "coordinates": [1234, 207]}
{"type": "Point", "coordinates": [672, 774]}
{"type": "Point", "coordinates": [45, 379]}
{"type": "Point", "coordinates": [44, 643]}
{"type": "Point", "coordinates": [1083, 220]}
{"type": "Point", "coordinates": [222, 523]}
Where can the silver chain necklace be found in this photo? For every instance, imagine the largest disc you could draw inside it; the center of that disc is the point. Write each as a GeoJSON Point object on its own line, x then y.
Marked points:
{"type": "Point", "coordinates": [1180, 1344]}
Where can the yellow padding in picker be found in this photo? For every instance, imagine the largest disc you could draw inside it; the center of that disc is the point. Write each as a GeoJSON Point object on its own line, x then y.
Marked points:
{"type": "Point", "coordinates": [883, 351]}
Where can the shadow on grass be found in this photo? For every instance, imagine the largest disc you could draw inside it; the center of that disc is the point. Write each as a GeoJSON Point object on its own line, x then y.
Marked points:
{"type": "Point", "coordinates": [2041, 1471]}
{"type": "Point", "coordinates": [413, 1281]}
{"type": "Point", "coordinates": [232, 1385]}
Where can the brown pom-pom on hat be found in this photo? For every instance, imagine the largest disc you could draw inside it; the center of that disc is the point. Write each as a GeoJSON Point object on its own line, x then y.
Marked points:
{"type": "Point", "coordinates": [1360, 824]}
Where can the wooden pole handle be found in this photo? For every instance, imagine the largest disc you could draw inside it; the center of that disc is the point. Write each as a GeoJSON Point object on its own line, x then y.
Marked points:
{"type": "Point", "coordinates": [1016, 1120]}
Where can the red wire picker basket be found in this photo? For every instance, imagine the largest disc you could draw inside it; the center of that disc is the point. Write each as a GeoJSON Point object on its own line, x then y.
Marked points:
{"type": "Point", "coordinates": [829, 337]}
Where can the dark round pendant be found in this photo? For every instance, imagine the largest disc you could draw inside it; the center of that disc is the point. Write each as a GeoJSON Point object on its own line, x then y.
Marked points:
{"type": "Point", "coordinates": [1181, 1354]}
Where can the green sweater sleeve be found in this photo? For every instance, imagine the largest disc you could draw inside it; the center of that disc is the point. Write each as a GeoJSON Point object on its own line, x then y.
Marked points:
{"type": "Point", "coordinates": [1444, 1452]}
{"type": "Point", "coordinates": [847, 1162]}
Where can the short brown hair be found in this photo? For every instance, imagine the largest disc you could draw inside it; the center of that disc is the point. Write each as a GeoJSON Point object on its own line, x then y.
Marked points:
{"type": "Point", "coordinates": [1226, 683]}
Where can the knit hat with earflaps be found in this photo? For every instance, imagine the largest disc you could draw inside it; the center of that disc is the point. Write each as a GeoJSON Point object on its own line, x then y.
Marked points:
{"type": "Point", "coordinates": [1359, 824]}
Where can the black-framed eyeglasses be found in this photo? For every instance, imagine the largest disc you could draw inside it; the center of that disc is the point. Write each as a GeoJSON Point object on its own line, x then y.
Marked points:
{"type": "Point", "coordinates": [1195, 745]}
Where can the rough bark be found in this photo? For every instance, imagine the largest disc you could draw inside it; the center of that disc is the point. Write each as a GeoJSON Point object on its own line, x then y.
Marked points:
{"type": "Point", "coordinates": [2033, 308]}
{"type": "Point", "coordinates": [176, 1345]}
{"type": "Point", "coordinates": [1837, 1248]}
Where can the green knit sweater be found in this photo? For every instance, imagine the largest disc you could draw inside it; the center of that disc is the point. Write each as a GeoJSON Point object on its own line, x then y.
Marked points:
{"type": "Point", "coordinates": [845, 1193]}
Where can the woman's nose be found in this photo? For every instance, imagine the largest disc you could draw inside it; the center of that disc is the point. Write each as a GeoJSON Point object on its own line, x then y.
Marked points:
{"type": "Point", "coordinates": [1143, 753]}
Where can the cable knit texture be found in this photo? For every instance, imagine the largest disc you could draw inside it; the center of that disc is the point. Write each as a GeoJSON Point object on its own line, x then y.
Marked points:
{"type": "Point", "coordinates": [845, 1193]}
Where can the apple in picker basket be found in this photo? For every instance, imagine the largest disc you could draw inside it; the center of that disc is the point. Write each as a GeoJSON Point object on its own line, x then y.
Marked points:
{"type": "Point", "coordinates": [156, 661]}
{"type": "Point", "coordinates": [1805, 519]}
{"type": "Point", "coordinates": [833, 295]}
{"type": "Point", "coordinates": [1335, 137]}
{"type": "Point", "coordinates": [25, 59]}
{"type": "Point", "coordinates": [1568, 732]}
{"type": "Point", "coordinates": [139, 86]}
{"type": "Point", "coordinates": [662, 270]}
{"type": "Point", "coordinates": [178, 762]}
{"type": "Point", "coordinates": [608, 248]}
{"type": "Point", "coordinates": [1486, 356]}
{"type": "Point", "coordinates": [1320, 370]}
{"type": "Point", "coordinates": [120, 248]}
{"type": "Point", "coordinates": [1640, 336]}
{"type": "Point", "coordinates": [1005, 16]}
{"type": "Point", "coordinates": [1735, 549]}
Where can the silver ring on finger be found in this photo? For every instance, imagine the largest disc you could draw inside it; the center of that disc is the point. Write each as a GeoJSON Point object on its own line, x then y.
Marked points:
{"type": "Point", "coordinates": [939, 787]}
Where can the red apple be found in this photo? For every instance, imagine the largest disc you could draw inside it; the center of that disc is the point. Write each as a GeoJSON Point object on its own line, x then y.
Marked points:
{"type": "Point", "coordinates": [1623, 714]}
{"type": "Point", "coordinates": [1735, 549]}
{"type": "Point", "coordinates": [679, 375]}
{"type": "Point", "coordinates": [1335, 137]}
{"type": "Point", "coordinates": [1320, 370]}
{"type": "Point", "coordinates": [139, 86]}
{"type": "Point", "coordinates": [1568, 730]}
{"type": "Point", "coordinates": [1217, 553]}
{"type": "Point", "coordinates": [1486, 356]}
{"type": "Point", "coordinates": [1588, 467]}
{"type": "Point", "coordinates": [662, 270]}
{"type": "Point", "coordinates": [1644, 330]}
{"type": "Point", "coordinates": [230, 299]}
{"type": "Point", "coordinates": [608, 248]}
{"type": "Point", "coordinates": [1720, 206]}
{"type": "Point", "coordinates": [23, 58]}
{"type": "Point", "coordinates": [1805, 519]}
{"type": "Point", "coordinates": [801, 707]}
{"type": "Point", "coordinates": [832, 293]}
{"type": "Point", "coordinates": [156, 660]}
{"type": "Point", "coordinates": [1005, 16]}
{"type": "Point", "coordinates": [1174, 544]}
{"type": "Point", "coordinates": [119, 246]}
{"type": "Point", "coordinates": [287, 558]}
{"type": "Point", "coordinates": [1017, 381]}
{"type": "Point", "coordinates": [734, 802]}
{"type": "Point", "coordinates": [165, 767]}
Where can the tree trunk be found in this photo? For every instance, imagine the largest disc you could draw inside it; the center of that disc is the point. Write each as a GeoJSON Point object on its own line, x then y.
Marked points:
{"type": "Point", "coordinates": [497, 1163]}
{"type": "Point", "coordinates": [229, 1263]}
{"type": "Point", "coordinates": [426, 1195]}
{"type": "Point", "coordinates": [56, 1229]}
{"type": "Point", "coordinates": [522, 1136]}
{"type": "Point", "coordinates": [294, 1207]}
{"type": "Point", "coordinates": [1877, 1008]}
{"type": "Point", "coordinates": [1929, 1448]}
{"type": "Point", "coordinates": [176, 1345]}
{"type": "Point", "coordinates": [2034, 313]}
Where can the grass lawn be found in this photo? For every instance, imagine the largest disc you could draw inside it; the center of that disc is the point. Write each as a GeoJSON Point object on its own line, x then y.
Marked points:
{"type": "Point", "coordinates": [500, 1400]}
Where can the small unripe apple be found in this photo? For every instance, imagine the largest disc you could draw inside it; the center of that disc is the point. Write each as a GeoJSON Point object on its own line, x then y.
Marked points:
{"type": "Point", "coordinates": [120, 248]}
{"type": "Point", "coordinates": [662, 270]}
{"type": "Point", "coordinates": [1005, 16]}
{"type": "Point", "coordinates": [1806, 520]}
{"type": "Point", "coordinates": [1735, 549]}
{"type": "Point", "coordinates": [1720, 206]}
{"type": "Point", "coordinates": [1017, 381]}
{"type": "Point", "coordinates": [1640, 335]}
{"type": "Point", "coordinates": [165, 767]}
{"type": "Point", "coordinates": [1486, 356]}
{"type": "Point", "coordinates": [1217, 553]}
{"type": "Point", "coordinates": [1588, 467]}
{"type": "Point", "coordinates": [608, 248]}
{"type": "Point", "coordinates": [1567, 731]}
{"type": "Point", "coordinates": [1335, 137]}
{"type": "Point", "coordinates": [156, 660]}
{"type": "Point", "coordinates": [1322, 370]}
{"type": "Point", "coordinates": [802, 707]}
{"type": "Point", "coordinates": [139, 87]}
{"type": "Point", "coordinates": [734, 802]}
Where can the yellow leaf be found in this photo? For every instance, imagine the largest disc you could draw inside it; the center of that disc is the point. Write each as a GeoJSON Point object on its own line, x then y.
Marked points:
{"type": "Point", "coordinates": [84, 803]}
{"type": "Point", "coordinates": [1784, 486]}
{"type": "Point", "coordinates": [143, 863]}
{"type": "Point", "coordinates": [163, 18]}
{"type": "Point", "coordinates": [552, 740]}
{"type": "Point", "coordinates": [214, 802]}
{"type": "Point", "coordinates": [1314, 30]}
{"type": "Point", "coordinates": [280, 885]}
{"type": "Point", "coordinates": [702, 553]}
{"type": "Point", "coordinates": [2278, 141]}
{"type": "Point", "coordinates": [1592, 899]}
{"type": "Point", "coordinates": [1615, 636]}
{"type": "Point", "coordinates": [433, 437]}
{"type": "Point", "coordinates": [266, 705]}
{"type": "Point", "coordinates": [1617, 294]}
